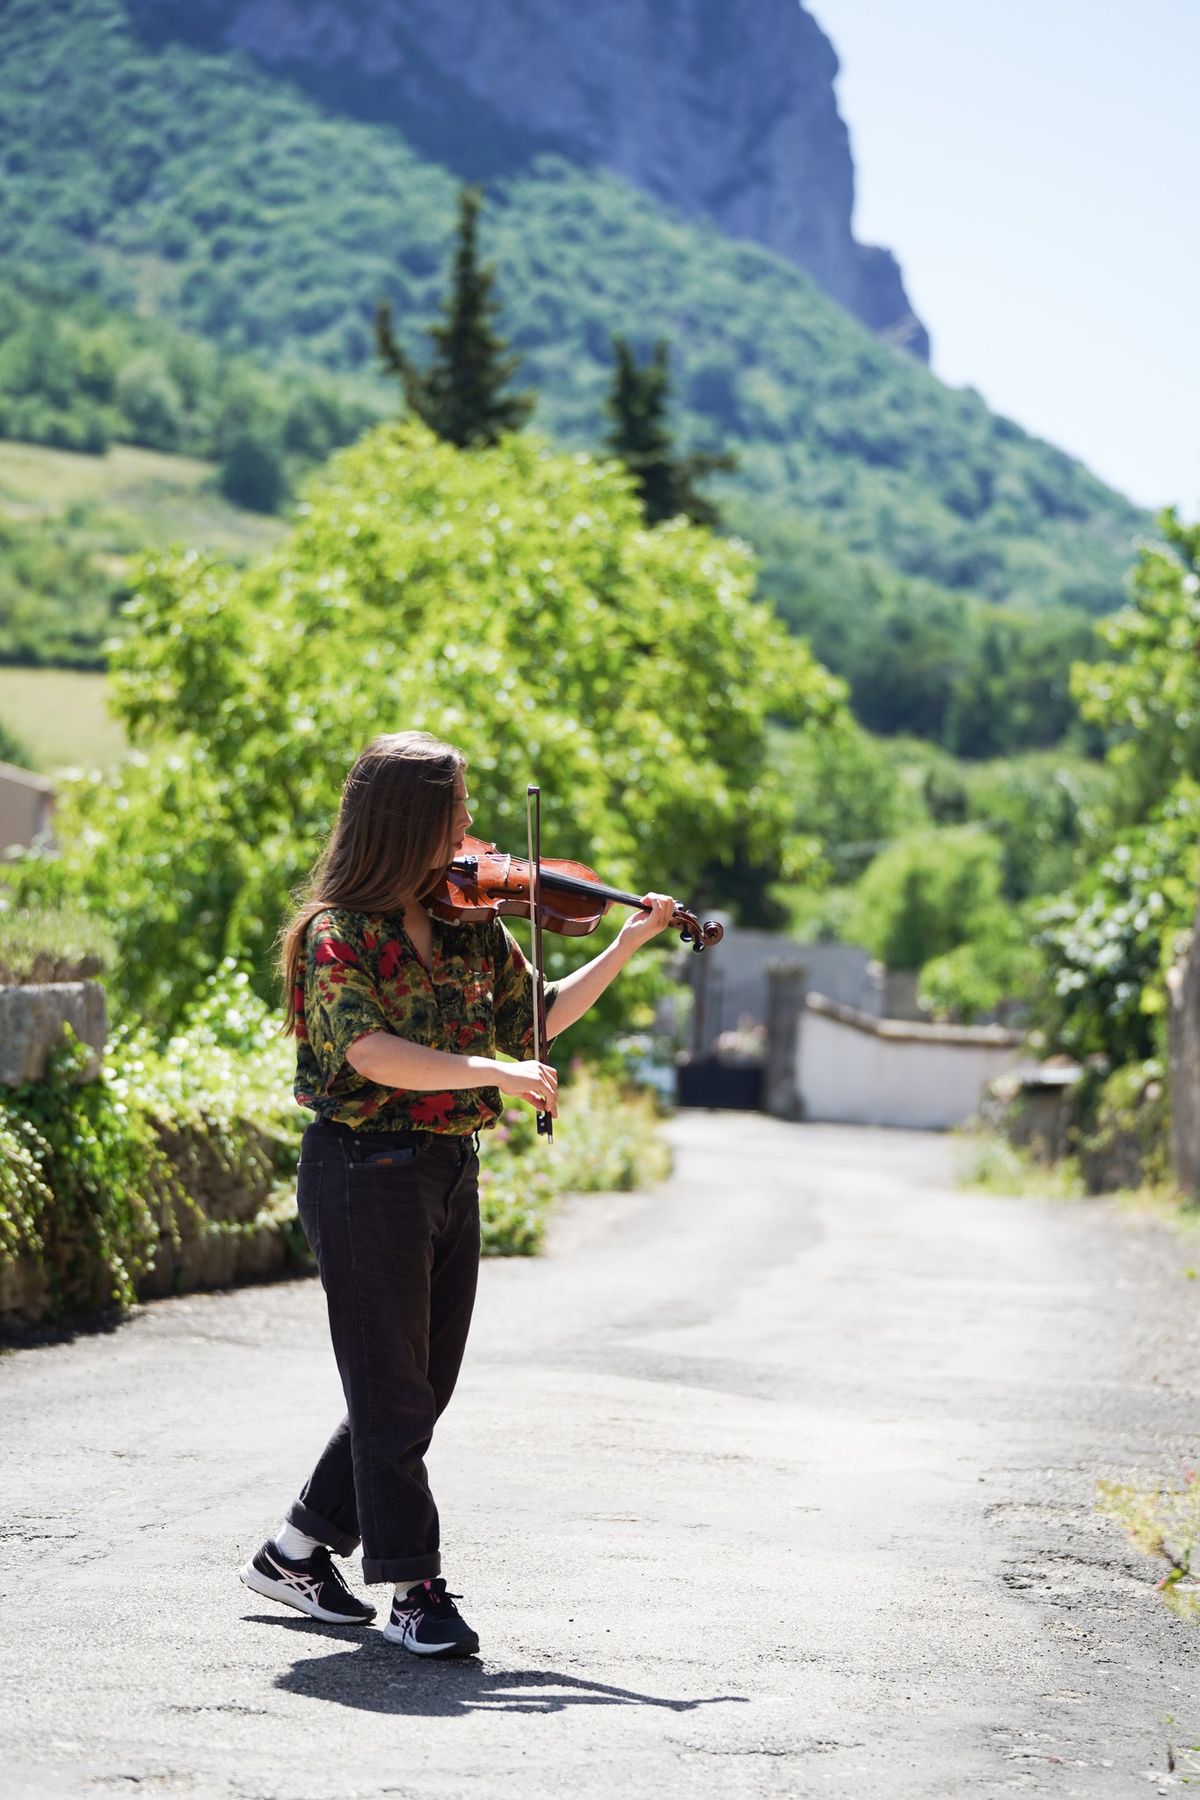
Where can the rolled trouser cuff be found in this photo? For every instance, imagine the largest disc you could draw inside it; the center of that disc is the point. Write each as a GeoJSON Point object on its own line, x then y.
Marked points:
{"type": "Point", "coordinates": [314, 1525]}
{"type": "Point", "coordinates": [401, 1568]}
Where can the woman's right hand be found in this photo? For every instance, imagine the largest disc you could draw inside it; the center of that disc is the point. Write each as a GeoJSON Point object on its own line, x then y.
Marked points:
{"type": "Point", "coordinates": [532, 1081]}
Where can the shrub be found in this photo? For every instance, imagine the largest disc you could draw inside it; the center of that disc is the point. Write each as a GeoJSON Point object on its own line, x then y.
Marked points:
{"type": "Point", "coordinates": [993, 975]}
{"type": "Point", "coordinates": [1106, 944]}
{"type": "Point", "coordinates": [84, 1186]}
{"type": "Point", "coordinates": [927, 893]}
{"type": "Point", "coordinates": [1162, 1522]}
{"type": "Point", "coordinates": [52, 944]}
{"type": "Point", "coordinates": [12, 750]}
{"type": "Point", "coordinates": [1126, 1145]}
{"type": "Point", "coordinates": [606, 1140]}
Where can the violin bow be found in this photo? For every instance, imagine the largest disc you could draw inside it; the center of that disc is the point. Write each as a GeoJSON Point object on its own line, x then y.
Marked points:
{"type": "Point", "coordinates": [533, 832]}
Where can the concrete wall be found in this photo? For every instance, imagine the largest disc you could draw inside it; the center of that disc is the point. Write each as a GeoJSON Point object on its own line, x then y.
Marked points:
{"type": "Point", "coordinates": [26, 805]}
{"type": "Point", "coordinates": [858, 1070]}
{"type": "Point", "coordinates": [730, 982]}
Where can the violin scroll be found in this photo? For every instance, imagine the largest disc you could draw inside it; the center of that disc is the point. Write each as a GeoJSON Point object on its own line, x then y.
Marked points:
{"type": "Point", "coordinates": [692, 932]}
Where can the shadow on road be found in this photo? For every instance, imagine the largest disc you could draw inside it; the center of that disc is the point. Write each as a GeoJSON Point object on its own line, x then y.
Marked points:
{"type": "Point", "coordinates": [373, 1677]}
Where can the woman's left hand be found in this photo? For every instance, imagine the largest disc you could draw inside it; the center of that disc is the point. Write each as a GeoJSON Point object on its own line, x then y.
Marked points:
{"type": "Point", "coordinates": [640, 927]}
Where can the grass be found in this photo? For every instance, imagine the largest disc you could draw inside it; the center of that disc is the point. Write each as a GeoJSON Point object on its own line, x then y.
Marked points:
{"type": "Point", "coordinates": [127, 498]}
{"type": "Point", "coordinates": [1162, 1521]}
{"type": "Point", "coordinates": [989, 1162]}
{"type": "Point", "coordinates": [147, 495]}
{"type": "Point", "coordinates": [61, 718]}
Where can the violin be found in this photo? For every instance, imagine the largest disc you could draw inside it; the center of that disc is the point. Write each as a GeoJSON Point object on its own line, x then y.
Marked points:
{"type": "Point", "coordinates": [483, 882]}
{"type": "Point", "coordinates": [567, 897]}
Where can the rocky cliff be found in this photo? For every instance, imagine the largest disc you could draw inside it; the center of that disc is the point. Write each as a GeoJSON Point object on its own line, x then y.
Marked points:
{"type": "Point", "coordinates": [721, 108]}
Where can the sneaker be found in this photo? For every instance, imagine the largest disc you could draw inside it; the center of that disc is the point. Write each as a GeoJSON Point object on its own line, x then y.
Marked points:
{"type": "Point", "coordinates": [311, 1584]}
{"type": "Point", "coordinates": [428, 1623]}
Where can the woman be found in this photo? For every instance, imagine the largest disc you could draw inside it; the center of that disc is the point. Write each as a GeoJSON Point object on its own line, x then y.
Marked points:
{"type": "Point", "coordinates": [398, 1016]}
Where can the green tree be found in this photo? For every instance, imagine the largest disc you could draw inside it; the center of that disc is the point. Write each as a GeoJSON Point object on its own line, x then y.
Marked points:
{"type": "Point", "coordinates": [1146, 696]}
{"type": "Point", "coordinates": [1048, 815]}
{"type": "Point", "coordinates": [509, 599]}
{"type": "Point", "coordinates": [250, 454]}
{"type": "Point", "coordinates": [150, 403]}
{"type": "Point", "coordinates": [460, 395]}
{"type": "Point", "coordinates": [641, 437]}
{"type": "Point", "coordinates": [993, 975]}
{"type": "Point", "coordinates": [926, 894]}
{"type": "Point", "coordinates": [847, 794]}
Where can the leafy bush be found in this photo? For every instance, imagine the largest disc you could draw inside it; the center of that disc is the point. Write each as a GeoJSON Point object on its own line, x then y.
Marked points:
{"type": "Point", "coordinates": [84, 1187]}
{"type": "Point", "coordinates": [994, 975]}
{"type": "Point", "coordinates": [605, 1140]}
{"type": "Point", "coordinates": [986, 1160]}
{"type": "Point", "coordinates": [1146, 695]}
{"type": "Point", "coordinates": [927, 893]}
{"type": "Point", "coordinates": [1107, 943]}
{"type": "Point", "coordinates": [1124, 1143]}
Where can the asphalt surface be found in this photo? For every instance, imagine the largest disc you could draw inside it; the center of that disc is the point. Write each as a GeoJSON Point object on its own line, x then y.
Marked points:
{"type": "Point", "coordinates": [776, 1481]}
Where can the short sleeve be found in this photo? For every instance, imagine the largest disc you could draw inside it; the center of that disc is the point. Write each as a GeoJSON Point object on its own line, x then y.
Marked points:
{"type": "Point", "coordinates": [341, 1000]}
{"type": "Point", "coordinates": [513, 997]}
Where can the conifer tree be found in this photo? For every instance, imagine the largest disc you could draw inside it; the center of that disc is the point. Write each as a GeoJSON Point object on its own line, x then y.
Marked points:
{"type": "Point", "coordinates": [459, 395]}
{"type": "Point", "coordinates": [641, 438]}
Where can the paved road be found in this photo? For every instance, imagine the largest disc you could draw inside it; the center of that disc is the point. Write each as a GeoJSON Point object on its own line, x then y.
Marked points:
{"type": "Point", "coordinates": [775, 1482]}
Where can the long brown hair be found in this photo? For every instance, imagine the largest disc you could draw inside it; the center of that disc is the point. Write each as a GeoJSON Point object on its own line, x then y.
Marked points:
{"type": "Point", "coordinates": [393, 823]}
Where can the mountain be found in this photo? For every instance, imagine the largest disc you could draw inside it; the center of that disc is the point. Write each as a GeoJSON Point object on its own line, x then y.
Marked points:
{"type": "Point", "coordinates": [725, 113]}
{"type": "Point", "coordinates": [923, 543]}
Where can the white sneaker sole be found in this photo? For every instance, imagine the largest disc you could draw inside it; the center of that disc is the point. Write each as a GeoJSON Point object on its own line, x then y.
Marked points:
{"type": "Point", "coordinates": [398, 1634]}
{"type": "Point", "coordinates": [288, 1596]}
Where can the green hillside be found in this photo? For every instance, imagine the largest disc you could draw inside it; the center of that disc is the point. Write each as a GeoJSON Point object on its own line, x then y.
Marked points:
{"type": "Point", "coordinates": [198, 186]}
{"type": "Point", "coordinates": [71, 524]}
{"type": "Point", "coordinates": [60, 718]}
{"type": "Point", "coordinates": [133, 434]}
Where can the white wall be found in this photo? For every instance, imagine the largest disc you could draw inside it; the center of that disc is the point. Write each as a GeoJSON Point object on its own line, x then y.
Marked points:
{"type": "Point", "coordinates": [861, 1071]}
{"type": "Point", "coordinates": [26, 803]}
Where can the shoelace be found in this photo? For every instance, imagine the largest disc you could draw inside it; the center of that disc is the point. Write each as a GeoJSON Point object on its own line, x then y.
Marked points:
{"type": "Point", "coordinates": [322, 1565]}
{"type": "Point", "coordinates": [432, 1599]}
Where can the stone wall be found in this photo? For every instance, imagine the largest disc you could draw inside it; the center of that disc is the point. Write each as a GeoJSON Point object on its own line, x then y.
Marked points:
{"type": "Point", "coordinates": [1183, 1029]}
{"type": "Point", "coordinates": [32, 1020]}
{"type": "Point", "coordinates": [237, 1221]}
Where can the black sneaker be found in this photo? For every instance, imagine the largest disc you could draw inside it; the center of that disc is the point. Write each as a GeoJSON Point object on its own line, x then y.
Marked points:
{"type": "Point", "coordinates": [311, 1584]}
{"type": "Point", "coordinates": [428, 1623]}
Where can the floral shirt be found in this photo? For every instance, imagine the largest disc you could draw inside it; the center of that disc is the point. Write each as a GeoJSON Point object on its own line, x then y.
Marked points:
{"type": "Point", "coordinates": [362, 973]}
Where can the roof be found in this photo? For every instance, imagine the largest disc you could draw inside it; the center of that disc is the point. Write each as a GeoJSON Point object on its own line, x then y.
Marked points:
{"type": "Point", "coordinates": [25, 778]}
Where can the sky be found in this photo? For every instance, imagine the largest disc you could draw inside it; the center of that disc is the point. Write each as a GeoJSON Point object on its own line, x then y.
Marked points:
{"type": "Point", "coordinates": [1035, 167]}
